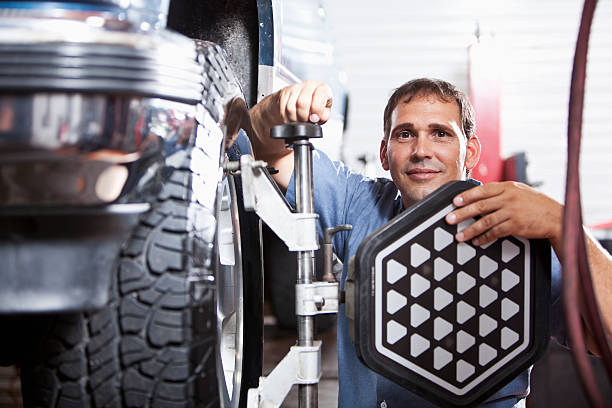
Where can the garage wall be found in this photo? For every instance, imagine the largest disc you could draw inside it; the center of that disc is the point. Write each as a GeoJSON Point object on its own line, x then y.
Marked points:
{"type": "Point", "coordinates": [385, 43]}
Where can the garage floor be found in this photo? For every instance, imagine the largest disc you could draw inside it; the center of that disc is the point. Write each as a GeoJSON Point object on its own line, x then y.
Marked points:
{"type": "Point", "coordinates": [276, 345]}
{"type": "Point", "coordinates": [554, 382]}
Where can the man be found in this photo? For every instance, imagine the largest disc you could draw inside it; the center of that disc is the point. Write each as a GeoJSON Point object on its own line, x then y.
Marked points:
{"type": "Point", "coordinates": [428, 141]}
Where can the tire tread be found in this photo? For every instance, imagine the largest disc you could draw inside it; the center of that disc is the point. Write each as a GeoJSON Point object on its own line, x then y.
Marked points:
{"type": "Point", "coordinates": [145, 349]}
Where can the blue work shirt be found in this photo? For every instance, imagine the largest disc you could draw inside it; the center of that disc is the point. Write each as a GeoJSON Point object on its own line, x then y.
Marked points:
{"type": "Point", "coordinates": [344, 197]}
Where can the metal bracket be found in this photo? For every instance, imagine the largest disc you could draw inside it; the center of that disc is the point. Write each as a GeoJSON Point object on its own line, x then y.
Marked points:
{"type": "Point", "coordinates": [302, 365]}
{"type": "Point", "coordinates": [297, 230]}
{"type": "Point", "coordinates": [316, 298]}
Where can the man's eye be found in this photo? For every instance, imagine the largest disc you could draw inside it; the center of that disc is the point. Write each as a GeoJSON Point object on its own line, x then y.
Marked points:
{"type": "Point", "coordinates": [404, 134]}
{"type": "Point", "coordinates": [441, 133]}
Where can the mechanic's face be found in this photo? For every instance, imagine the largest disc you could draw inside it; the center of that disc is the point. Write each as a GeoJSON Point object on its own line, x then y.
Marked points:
{"type": "Point", "coordinates": [427, 147]}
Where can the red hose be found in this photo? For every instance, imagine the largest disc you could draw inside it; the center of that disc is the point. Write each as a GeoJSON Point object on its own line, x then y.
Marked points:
{"type": "Point", "coordinates": [592, 310]}
{"type": "Point", "coordinates": [575, 262]}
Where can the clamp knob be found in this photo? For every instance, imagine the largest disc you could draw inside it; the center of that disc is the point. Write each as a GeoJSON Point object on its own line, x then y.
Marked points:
{"type": "Point", "coordinates": [296, 131]}
{"type": "Point", "coordinates": [328, 254]}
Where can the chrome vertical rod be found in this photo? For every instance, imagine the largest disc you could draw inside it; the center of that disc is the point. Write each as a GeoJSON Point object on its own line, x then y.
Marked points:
{"type": "Point", "coordinates": [307, 394]}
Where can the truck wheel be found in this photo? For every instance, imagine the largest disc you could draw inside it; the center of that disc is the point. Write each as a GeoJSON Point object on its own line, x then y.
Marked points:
{"type": "Point", "coordinates": [175, 302]}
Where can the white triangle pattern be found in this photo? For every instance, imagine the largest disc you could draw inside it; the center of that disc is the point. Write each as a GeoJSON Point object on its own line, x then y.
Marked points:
{"type": "Point", "coordinates": [508, 309]}
{"type": "Point", "coordinates": [395, 301]}
{"type": "Point", "coordinates": [418, 285]}
{"type": "Point", "coordinates": [486, 353]}
{"type": "Point", "coordinates": [486, 296]}
{"type": "Point", "coordinates": [441, 328]}
{"type": "Point", "coordinates": [509, 250]}
{"type": "Point", "coordinates": [508, 337]}
{"type": "Point", "coordinates": [464, 341]}
{"type": "Point", "coordinates": [395, 331]}
{"type": "Point", "coordinates": [465, 252]}
{"type": "Point", "coordinates": [441, 358]}
{"type": "Point", "coordinates": [485, 246]}
{"type": "Point", "coordinates": [442, 238]}
{"type": "Point", "coordinates": [395, 271]}
{"type": "Point", "coordinates": [487, 266]}
{"type": "Point", "coordinates": [418, 255]}
{"type": "Point", "coordinates": [486, 325]}
{"type": "Point", "coordinates": [465, 282]}
{"type": "Point", "coordinates": [464, 370]}
{"type": "Point", "coordinates": [441, 299]}
{"type": "Point", "coordinates": [509, 280]}
{"type": "Point", "coordinates": [418, 315]}
{"type": "Point", "coordinates": [465, 312]}
{"type": "Point", "coordinates": [442, 269]}
{"type": "Point", "coordinates": [418, 344]}
{"type": "Point", "coordinates": [465, 223]}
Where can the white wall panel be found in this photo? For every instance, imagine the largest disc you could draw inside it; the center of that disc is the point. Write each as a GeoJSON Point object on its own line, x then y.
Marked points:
{"type": "Point", "coordinates": [382, 44]}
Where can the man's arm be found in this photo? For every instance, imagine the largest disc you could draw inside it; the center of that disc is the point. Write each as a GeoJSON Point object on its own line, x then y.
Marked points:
{"type": "Point", "coordinates": [511, 208]}
{"type": "Point", "coordinates": [303, 102]}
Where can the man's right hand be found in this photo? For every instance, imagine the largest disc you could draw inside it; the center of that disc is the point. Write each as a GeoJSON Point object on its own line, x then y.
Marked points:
{"type": "Point", "coordinates": [308, 101]}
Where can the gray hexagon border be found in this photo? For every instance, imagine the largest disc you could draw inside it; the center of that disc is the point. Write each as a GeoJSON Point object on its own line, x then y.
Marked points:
{"type": "Point", "coordinates": [378, 272]}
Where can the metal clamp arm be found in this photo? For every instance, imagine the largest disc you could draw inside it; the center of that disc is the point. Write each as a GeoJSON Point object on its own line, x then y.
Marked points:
{"type": "Point", "coordinates": [302, 365]}
{"type": "Point", "coordinates": [297, 230]}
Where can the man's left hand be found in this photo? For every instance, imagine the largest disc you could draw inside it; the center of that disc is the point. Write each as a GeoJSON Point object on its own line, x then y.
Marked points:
{"type": "Point", "coordinates": [507, 208]}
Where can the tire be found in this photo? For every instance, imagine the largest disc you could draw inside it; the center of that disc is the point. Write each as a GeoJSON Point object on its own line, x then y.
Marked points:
{"type": "Point", "coordinates": [252, 281]}
{"type": "Point", "coordinates": [157, 341]}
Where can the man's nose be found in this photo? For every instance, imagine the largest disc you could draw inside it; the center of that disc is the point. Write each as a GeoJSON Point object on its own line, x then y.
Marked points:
{"type": "Point", "coordinates": [422, 148]}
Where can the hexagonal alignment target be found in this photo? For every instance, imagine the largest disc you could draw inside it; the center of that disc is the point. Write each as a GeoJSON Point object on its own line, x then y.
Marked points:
{"type": "Point", "coordinates": [449, 320]}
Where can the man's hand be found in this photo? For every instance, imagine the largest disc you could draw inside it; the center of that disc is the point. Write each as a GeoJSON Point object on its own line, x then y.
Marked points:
{"type": "Point", "coordinates": [507, 208]}
{"type": "Point", "coordinates": [309, 101]}
{"type": "Point", "coordinates": [511, 208]}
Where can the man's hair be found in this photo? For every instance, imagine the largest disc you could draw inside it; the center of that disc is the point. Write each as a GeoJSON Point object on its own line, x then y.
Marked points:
{"type": "Point", "coordinates": [442, 90]}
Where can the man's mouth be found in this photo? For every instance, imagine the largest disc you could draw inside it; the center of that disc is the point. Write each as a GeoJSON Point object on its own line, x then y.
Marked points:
{"type": "Point", "coordinates": [420, 173]}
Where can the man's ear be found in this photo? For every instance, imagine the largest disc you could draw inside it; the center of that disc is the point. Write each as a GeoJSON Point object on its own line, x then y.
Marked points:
{"type": "Point", "coordinates": [383, 155]}
{"type": "Point", "coordinates": [472, 154]}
